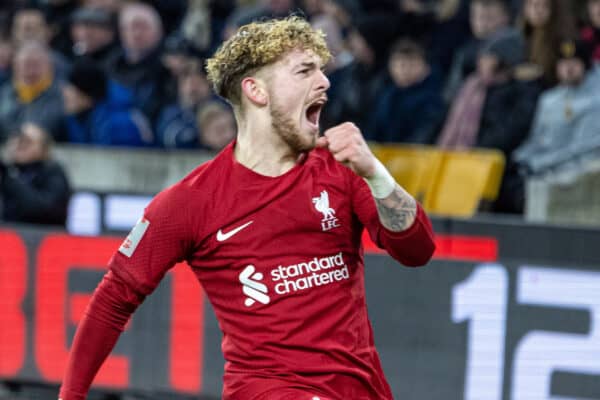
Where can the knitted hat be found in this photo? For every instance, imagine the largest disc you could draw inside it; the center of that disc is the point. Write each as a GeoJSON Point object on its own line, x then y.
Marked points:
{"type": "Point", "coordinates": [89, 78]}
{"type": "Point", "coordinates": [576, 49]}
{"type": "Point", "coordinates": [508, 45]}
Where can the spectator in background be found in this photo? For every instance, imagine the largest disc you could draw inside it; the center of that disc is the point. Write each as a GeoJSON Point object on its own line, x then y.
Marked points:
{"type": "Point", "coordinates": [101, 112]}
{"type": "Point", "coordinates": [449, 31]}
{"type": "Point", "coordinates": [345, 12]}
{"type": "Point", "coordinates": [33, 94]}
{"type": "Point", "coordinates": [57, 13]}
{"type": "Point", "coordinates": [544, 23]}
{"type": "Point", "coordinates": [177, 126]}
{"type": "Point", "coordinates": [341, 56]}
{"type": "Point", "coordinates": [110, 6]}
{"type": "Point", "coordinates": [33, 188]}
{"type": "Point", "coordinates": [171, 13]}
{"type": "Point", "coordinates": [493, 109]}
{"type": "Point", "coordinates": [138, 65]}
{"type": "Point", "coordinates": [567, 119]}
{"type": "Point", "coordinates": [263, 9]}
{"type": "Point", "coordinates": [486, 17]}
{"type": "Point", "coordinates": [590, 33]}
{"type": "Point", "coordinates": [217, 126]}
{"type": "Point", "coordinates": [178, 53]}
{"type": "Point", "coordinates": [339, 66]}
{"type": "Point", "coordinates": [354, 87]}
{"type": "Point", "coordinates": [410, 109]}
{"type": "Point", "coordinates": [30, 24]}
{"type": "Point", "coordinates": [196, 27]}
{"type": "Point", "coordinates": [6, 55]}
{"type": "Point", "coordinates": [94, 35]}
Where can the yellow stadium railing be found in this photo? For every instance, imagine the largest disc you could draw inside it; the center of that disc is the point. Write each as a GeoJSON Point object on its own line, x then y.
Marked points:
{"type": "Point", "coordinates": [452, 183]}
{"type": "Point", "coordinates": [414, 167]}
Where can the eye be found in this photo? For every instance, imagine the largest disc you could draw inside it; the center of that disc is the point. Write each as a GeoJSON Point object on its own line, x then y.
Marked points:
{"type": "Point", "coordinates": [304, 71]}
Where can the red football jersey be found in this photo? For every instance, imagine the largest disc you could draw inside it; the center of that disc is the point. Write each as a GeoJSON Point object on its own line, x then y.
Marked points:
{"type": "Point", "coordinates": [281, 261]}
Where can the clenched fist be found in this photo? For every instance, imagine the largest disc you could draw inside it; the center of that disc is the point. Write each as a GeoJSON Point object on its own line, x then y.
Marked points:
{"type": "Point", "coordinates": [348, 146]}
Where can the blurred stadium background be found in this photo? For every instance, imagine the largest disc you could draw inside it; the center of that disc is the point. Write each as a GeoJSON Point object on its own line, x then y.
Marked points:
{"type": "Point", "coordinates": [505, 310]}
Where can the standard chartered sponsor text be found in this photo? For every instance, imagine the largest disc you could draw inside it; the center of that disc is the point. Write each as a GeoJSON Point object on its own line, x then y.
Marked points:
{"type": "Point", "coordinates": [305, 275]}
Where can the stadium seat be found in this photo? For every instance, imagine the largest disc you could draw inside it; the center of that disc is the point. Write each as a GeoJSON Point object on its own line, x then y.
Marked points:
{"type": "Point", "coordinates": [413, 166]}
{"type": "Point", "coordinates": [465, 180]}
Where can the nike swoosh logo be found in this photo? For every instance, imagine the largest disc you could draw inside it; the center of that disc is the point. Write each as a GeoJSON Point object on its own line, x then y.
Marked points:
{"type": "Point", "coordinates": [223, 236]}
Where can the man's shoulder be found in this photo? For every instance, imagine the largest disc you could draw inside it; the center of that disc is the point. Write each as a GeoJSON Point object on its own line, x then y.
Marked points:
{"type": "Point", "coordinates": [550, 97]}
{"type": "Point", "coordinates": [208, 173]}
{"type": "Point", "coordinates": [50, 97]}
{"type": "Point", "coordinates": [195, 190]}
{"type": "Point", "coordinates": [7, 93]}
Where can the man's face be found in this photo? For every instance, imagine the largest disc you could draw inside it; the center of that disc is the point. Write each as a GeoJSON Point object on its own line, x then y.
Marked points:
{"type": "Point", "coordinates": [30, 25]}
{"type": "Point", "coordinates": [487, 67]}
{"type": "Point", "coordinates": [570, 71]}
{"type": "Point", "coordinates": [407, 70]}
{"type": "Point", "coordinates": [593, 9]}
{"type": "Point", "coordinates": [537, 12]}
{"type": "Point", "coordinates": [486, 19]}
{"type": "Point", "coordinates": [221, 130]}
{"type": "Point", "coordinates": [89, 38]}
{"type": "Point", "coordinates": [193, 88]}
{"type": "Point", "coordinates": [29, 145]}
{"type": "Point", "coordinates": [360, 48]}
{"type": "Point", "coordinates": [31, 66]}
{"type": "Point", "coordinates": [140, 33]}
{"type": "Point", "coordinates": [297, 92]}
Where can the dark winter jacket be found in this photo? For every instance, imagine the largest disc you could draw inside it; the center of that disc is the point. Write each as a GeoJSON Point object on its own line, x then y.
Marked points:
{"type": "Point", "coordinates": [36, 193]}
{"type": "Point", "coordinates": [149, 80]}
{"type": "Point", "coordinates": [408, 115]}
{"type": "Point", "coordinates": [507, 115]}
{"type": "Point", "coordinates": [351, 95]}
{"type": "Point", "coordinates": [177, 128]}
{"type": "Point", "coordinates": [102, 56]}
{"type": "Point", "coordinates": [46, 110]}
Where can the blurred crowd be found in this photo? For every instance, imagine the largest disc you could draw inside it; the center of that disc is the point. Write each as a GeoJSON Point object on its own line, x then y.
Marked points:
{"type": "Point", "coordinates": [514, 75]}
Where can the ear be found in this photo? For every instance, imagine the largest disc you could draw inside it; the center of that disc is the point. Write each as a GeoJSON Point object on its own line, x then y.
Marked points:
{"type": "Point", "coordinates": [253, 88]}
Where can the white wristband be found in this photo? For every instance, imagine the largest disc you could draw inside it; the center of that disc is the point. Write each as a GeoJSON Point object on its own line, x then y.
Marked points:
{"type": "Point", "coordinates": [382, 183]}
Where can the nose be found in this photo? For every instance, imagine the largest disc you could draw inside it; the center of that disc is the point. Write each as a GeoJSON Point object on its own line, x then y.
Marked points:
{"type": "Point", "coordinates": [322, 81]}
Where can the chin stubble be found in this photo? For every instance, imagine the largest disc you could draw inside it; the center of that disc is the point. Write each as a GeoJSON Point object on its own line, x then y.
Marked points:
{"type": "Point", "coordinates": [285, 128]}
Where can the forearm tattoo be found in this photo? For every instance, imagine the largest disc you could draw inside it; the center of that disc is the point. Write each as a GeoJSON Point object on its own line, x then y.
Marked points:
{"type": "Point", "coordinates": [397, 212]}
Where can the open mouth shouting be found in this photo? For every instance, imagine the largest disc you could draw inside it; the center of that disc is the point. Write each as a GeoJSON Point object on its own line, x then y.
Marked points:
{"type": "Point", "coordinates": [313, 112]}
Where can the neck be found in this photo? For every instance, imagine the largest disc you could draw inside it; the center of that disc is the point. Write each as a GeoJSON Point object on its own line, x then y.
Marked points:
{"type": "Point", "coordinates": [261, 149]}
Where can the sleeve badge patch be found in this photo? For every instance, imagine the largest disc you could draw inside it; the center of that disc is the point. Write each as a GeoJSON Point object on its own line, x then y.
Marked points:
{"type": "Point", "coordinates": [133, 239]}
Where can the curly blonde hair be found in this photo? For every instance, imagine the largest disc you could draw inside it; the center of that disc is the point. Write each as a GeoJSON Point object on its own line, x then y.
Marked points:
{"type": "Point", "coordinates": [258, 44]}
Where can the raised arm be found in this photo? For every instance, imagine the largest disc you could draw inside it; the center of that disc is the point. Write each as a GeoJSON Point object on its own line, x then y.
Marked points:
{"type": "Point", "coordinates": [396, 207]}
{"type": "Point", "coordinates": [407, 233]}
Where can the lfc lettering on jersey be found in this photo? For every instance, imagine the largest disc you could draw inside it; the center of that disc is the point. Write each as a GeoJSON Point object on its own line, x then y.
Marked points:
{"type": "Point", "coordinates": [330, 224]}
